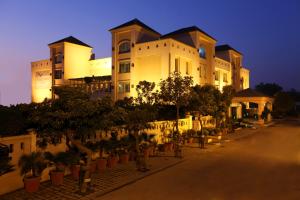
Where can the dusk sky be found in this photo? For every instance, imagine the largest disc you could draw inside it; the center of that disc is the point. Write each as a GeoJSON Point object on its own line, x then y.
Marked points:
{"type": "Point", "coordinates": [267, 32]}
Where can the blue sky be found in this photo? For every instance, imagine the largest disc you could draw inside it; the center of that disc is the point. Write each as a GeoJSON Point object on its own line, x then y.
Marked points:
{"type": "Point", "coordinates": [267, 32]}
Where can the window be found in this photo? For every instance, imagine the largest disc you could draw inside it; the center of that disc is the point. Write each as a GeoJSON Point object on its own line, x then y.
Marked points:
{"type": "Point", "coordinates": [202, 52]}
{"type": "Point", "coordinates": [58, 58]}
{"type": "Point", "coordinates": [124, 87]}
{"type": "Point", "coordinates": [124, 67]}
{"type": "Point", "coordinates": [22, 146]}
{"type": "Point", "coordinates": [11, 148]}
{"type": "Point", "coordinates": [188, 68]}
{"type": "Point", "coordinates": [177, 65]}
{"type": "Point", "coordinates": [124, 47]}
{"type": "Point", "coordinates": [217, 75]}
{"type": "Point", "coordinates": [58, 73]}
{"type": "Point", "coordinates": [225, 77]}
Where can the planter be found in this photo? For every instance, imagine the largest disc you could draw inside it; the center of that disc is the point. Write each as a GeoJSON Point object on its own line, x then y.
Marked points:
{"type": "Point", "coordinates": [31, 184]}
{"type": "Point", "coordinates": [75, 171]}
{"type": "Point", "coordinates": [57, 177]}
{"type": "Point", "coordinates": [124, 158]}
{"type": "Point", "coordinates": [93, 167]}
{"type": "Point", "coordinates": [146, 153]}
{"type": "Point", "coordinates": [151, 151]}
{"type": "Point", "coordinates": [190, 140]}
{"type": "Point", "coordinates": [101, 164]}
{"type": "Point", "coordinates": [112, 161]}
{"type": "Point", "coordinates": [168, 146]}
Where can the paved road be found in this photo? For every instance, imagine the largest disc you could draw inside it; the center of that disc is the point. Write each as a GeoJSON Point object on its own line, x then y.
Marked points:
{"type": "Point", "coordinates": [265, 166]}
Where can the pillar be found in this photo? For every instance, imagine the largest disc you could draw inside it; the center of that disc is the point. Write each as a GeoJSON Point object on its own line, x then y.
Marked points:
{"type": "Point", "coordinates": [239, 112]}
{"type": "Point", "coordinates": [260, 110]}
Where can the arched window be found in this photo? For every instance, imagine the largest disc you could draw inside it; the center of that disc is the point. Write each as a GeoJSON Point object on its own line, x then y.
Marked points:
{"type": "Point", "coordinates": [124, 47]}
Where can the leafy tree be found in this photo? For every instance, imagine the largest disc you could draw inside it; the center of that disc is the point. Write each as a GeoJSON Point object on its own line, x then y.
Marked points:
{"type": "Point", "coordinates": [12, 121]}
{"type": "Point", "coordinates": [283, 103]}
{"type": "Point", "coordinates": [269, 89]}
{"type": "Point", "coordinates": [175, 90]}
{"type": "Point", "coordinates": [145, 94]}
{"type": "Point", "coordinates": [202, 102]}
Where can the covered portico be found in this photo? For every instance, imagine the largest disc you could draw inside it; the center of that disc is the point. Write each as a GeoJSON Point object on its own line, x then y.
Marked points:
{"type": "Point", "coordinates": [248, 96]}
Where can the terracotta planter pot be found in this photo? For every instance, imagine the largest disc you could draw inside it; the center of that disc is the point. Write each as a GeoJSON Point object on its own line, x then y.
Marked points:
{"type": "Point", "coordinates": [32, 184]}
{"type": "Point", "coordinates": [101, 164]}
{"type": "Point", "coordinates": [190, 140]}
{"type": "Point", "coordinates": [112, 161]}
{"type": "Point", "coordinates": [75, 171]}
{"type": "Point", "coordinates": [57, 177]}
{"type": "Point", "coordinates": [151, 151]}
{"type": "Point", "coordinates": [124, 158]}
{"type": "Point", "coordinates": [93, 167]}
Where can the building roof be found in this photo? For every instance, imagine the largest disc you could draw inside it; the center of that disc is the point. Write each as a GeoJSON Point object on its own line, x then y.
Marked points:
{"type": "Point", "coordinates": [250, 93]}
{"type": "Point", "coordinates": [72, 40]}
{"type": "Point", "coordinates": [185, 30]}
{"type": "Point", "coordinates": [226, 47]}
{"type": "Point", "coordinates": [135, 21]}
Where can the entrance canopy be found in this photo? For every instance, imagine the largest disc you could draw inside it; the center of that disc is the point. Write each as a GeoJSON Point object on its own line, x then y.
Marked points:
{"type": "Point", "coordinates": [252, 96]}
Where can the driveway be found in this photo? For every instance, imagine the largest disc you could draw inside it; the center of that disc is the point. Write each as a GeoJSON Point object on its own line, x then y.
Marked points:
{"type": "Point", "coordinates": [265, 165]}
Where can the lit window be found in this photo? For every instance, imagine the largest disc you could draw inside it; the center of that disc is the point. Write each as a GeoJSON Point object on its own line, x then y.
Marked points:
{"type": "Point", "coordinates": [225, 77]}
{"type": "Point", "coordinates": [124, 67]}
{"type": "Point", "coordinates": [124, 47]}
{"type": "Point", "coordinates": [188, 68]}
{"type": "Point", "coordinates": [124, 87]}
{"type": "Point", "coordinates": [58, 73]}
{"type": "Point", "coordinates": [202, 52]}
{"type": "Point", "coordinates": [217, 75]}
{"type": "Point", "coordinates": [177, 65]}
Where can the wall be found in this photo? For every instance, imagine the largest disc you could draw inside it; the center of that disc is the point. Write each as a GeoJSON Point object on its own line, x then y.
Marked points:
{"type": "Point", "coordinates": [223, 67]}
{"type": "Point", "coordinates": [13, 180]}
{"type": "Point", "coordinates": [100, 67]}
{"type": "Point", "coordinates": [245, 76]}
{"type": "Point", "coordinates": [41, 80]}
{"type": "Point", "coordinates": [76, 60]}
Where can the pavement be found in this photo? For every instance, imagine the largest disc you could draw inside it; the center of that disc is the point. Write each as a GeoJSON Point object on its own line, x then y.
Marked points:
{"type": "Point", "coordinates": [103, 182]}
{"type": "Point", "coordinates": [262, 165]}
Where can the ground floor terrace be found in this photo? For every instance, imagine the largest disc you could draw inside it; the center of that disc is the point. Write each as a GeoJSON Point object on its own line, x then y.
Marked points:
{"type": "Point", "coordinates": [260, 163]}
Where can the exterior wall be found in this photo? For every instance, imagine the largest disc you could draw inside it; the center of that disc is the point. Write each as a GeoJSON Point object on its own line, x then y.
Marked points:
{"type": "Point", "coordinates": [235, 60]}
{"type": "Point", "coordinates": [223, 68]}
{"type": "Point", "coordinates": [23, 144]}
{"type": "Point", "coordinates": [41, 80]}
{"type": "Point", "coordinates": [245, 77]}
{"type": "Point", "coordinates": [76, 60]}
{"type": "Point", "coordinates": [100, 67]}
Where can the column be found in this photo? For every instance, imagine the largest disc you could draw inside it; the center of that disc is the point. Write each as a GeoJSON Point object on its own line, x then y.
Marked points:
{"type": "Point", "coordinates": [260, 110]}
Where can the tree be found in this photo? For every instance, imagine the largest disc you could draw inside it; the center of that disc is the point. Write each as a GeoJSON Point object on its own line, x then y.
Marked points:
{"type": "Point", "coordinates": [175, 90]}
{"type": "Point", "coordinates": [202, 101]}
{"type": "Point", "coordinates": [138, 113]}
{"type": "Point", "coordinates": [283, 103]}
{"type": "Point", "coordinates": [269, 89]}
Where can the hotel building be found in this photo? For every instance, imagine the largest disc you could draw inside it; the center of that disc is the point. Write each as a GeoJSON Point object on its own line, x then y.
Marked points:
{"type": "Point", "coordinates": [138, 53]}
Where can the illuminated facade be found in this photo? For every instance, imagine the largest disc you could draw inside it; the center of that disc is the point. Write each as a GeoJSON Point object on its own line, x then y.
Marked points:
{"type": "Point", "coordinates": [139, 53]}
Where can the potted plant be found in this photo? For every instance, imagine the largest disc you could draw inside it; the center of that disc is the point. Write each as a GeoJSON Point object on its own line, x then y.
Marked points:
{"type": "Point", "coordinates": [60, 162]}
{"type": "Point", "coordinates": [32, 166]}
{"type": "Point", "coordinates": [94, 148]}
{"type": "Point", "coordinates": [74, 165]}
{"type": "Point", "coordinates": [112, 159]}
{"type": "Point", "coordinates": [101, 161]}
